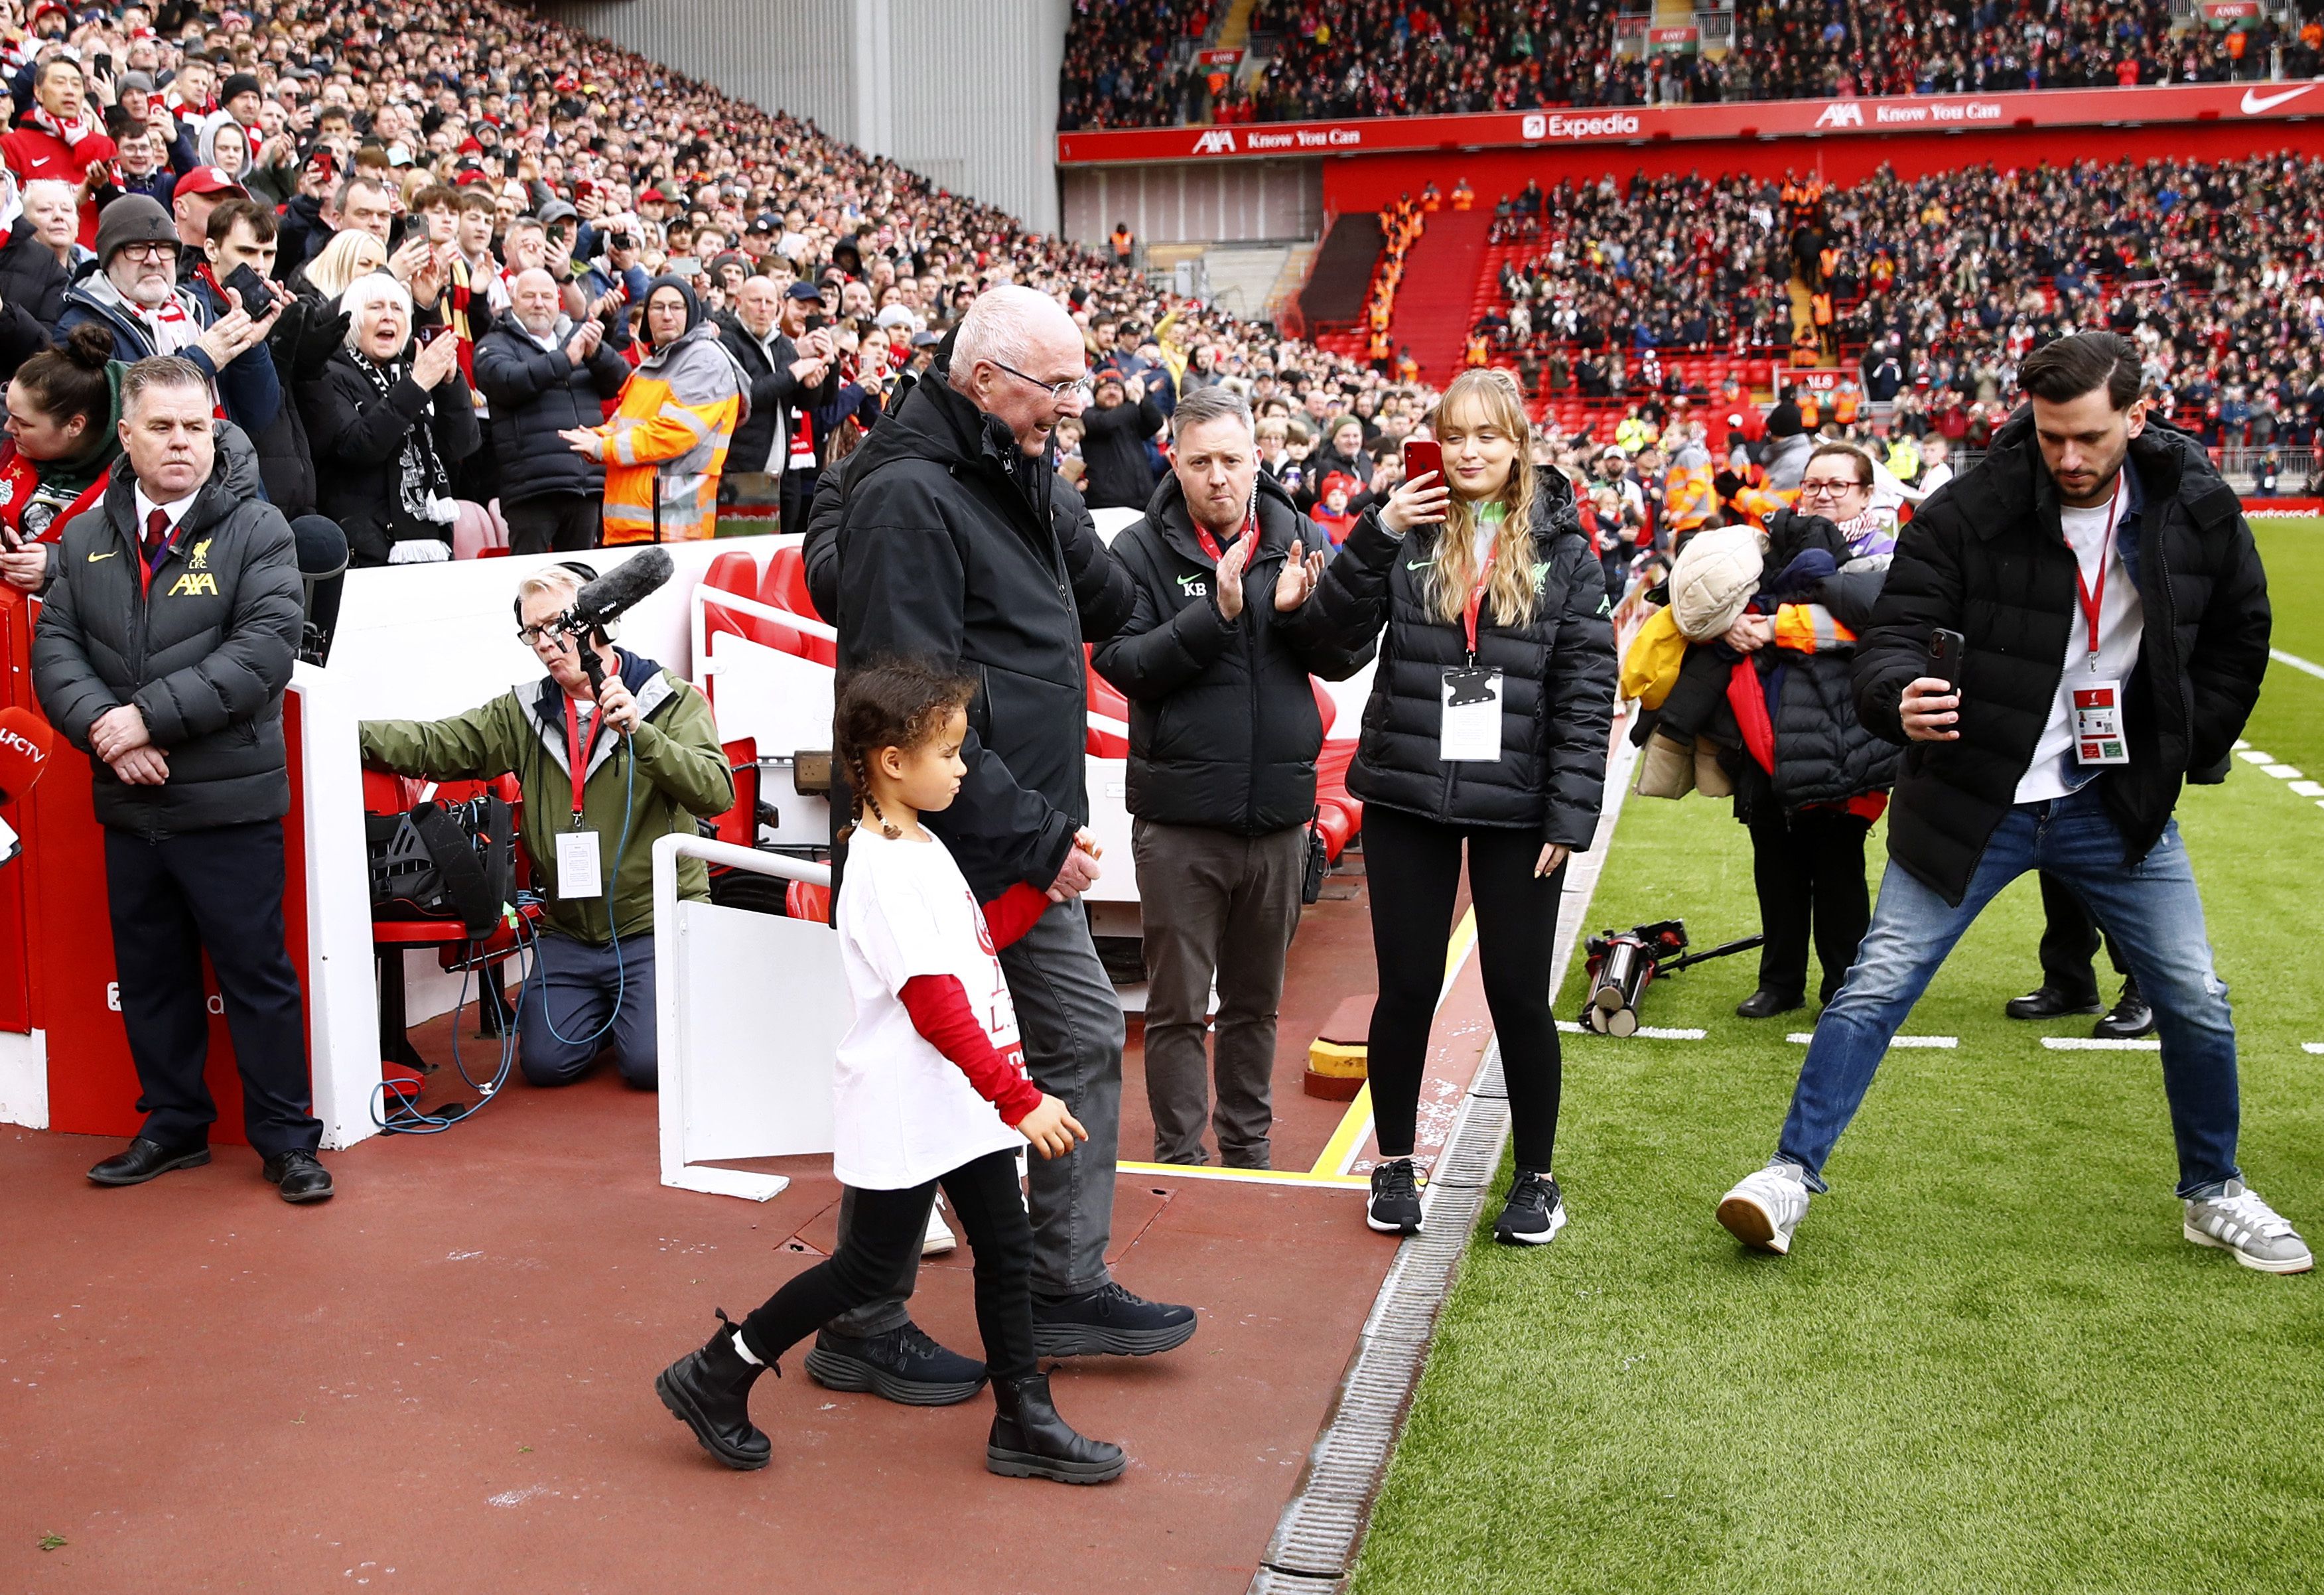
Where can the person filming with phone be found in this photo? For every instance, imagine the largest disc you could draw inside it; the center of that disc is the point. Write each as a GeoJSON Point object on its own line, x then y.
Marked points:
{"type": "Point", "coordinates": [1487, 729]}
{"type": "Point", "coordinates": [2101, 626]}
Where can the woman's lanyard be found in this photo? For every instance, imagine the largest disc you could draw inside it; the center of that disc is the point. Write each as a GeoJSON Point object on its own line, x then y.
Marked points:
{"type": "Point", "coordinates": [1471, 610]}
{"type": "Point", "coordinates": [2093, 601]}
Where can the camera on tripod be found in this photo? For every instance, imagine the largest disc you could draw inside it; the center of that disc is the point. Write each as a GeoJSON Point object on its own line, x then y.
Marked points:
{"type": "Point", "coordinates": [1623, 963]}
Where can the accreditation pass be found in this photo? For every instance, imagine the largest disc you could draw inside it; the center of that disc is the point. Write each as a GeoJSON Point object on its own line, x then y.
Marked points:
{"type": "Point", "coordinates": [1473, 714]}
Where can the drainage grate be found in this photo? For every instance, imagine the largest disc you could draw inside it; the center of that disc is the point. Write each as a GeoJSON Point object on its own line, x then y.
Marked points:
{"type": "Point", "coordinates": [1317, 1538]}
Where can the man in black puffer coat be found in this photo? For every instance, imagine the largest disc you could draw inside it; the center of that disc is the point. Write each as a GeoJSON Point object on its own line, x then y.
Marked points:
{"type": "Point", "coordinates": [542, 375]}
{"type": "Point", "coordinates": [1224, 736]}
{"type": "Point", "coordinates": [956, 544]}
{"type": "Point", "coordinates": [2115, 620]}
{"type": "Point", "coordinates": [163, 652]}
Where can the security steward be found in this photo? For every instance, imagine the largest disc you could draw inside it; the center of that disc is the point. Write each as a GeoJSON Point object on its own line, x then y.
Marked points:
{"type": "Point", "coordinates": [164, 650]}
{"type": "Point", "coordinates": [651, 761]}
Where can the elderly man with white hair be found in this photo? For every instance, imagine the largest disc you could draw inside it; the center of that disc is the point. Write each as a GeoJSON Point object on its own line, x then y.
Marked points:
{"type": "Point", "coordinates": [543, 374]}
{"type": "Point", "coordinates": [387, 420]}
{"type": "Point", "coordinates": [958, 545]}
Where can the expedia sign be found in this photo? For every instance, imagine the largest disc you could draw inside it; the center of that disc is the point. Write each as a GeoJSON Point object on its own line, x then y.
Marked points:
{"type": "Point", "coordinates": [1741, 119]}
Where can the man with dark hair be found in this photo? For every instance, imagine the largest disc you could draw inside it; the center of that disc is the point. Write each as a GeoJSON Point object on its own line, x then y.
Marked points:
{"type": "Point", "coordinates": [2115, 625]}
{"type": "Point", "coordinates": [163, 652]}
{"type": "Point", "coordinates": [1224, 737]}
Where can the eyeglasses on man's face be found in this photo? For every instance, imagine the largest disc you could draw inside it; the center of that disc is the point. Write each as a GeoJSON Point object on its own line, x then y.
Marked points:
{"type": "Point", "coordinates": [150, 253]}
{"type": "Point", "coordinates": [1058, 393]}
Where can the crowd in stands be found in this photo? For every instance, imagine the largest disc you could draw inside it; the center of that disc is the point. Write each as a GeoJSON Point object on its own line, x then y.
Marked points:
{"type": "Point", "coordinates": [1938, 286]}
{"type": "Point", "coordinates": [607, 244]}
{"type": "Point", "coordinates": [1391, 58]}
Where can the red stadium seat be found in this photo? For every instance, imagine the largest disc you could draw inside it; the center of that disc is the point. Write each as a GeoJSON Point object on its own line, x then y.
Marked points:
{"type": "Point", "coordinates": [736, 572]}
{"type": "Point", "coordinates": [1101, 743]}
{"type": "Point", "coordinates": [803, 901]}
{"type": "Point", "coordinates": [784, 587]}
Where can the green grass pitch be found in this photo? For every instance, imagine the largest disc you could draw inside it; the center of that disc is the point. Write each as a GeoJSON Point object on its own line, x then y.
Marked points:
{"type": "Point", "coordinates": [1990, 1363]}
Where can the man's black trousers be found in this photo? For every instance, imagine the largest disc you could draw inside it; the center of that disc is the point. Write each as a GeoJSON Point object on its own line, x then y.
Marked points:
{"type": "Point", "coordinates": [220, 892]}
{"type": "Point", "coordinates": [1808, 867]}
{"type": "Point", "coordinates": [554, 522]}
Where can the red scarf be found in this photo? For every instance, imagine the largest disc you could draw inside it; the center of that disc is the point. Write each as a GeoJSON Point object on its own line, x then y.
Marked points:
{"type": "Point", "coordinates": [67, 134]}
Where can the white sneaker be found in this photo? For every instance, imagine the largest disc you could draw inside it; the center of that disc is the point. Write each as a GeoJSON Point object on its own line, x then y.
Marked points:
{"type": "Point", "coordinates": [938, 1239]}
{"type": "Point", "coordinates": [2237, 1220]}
{"type": "Point", "coordinates": [1765, 1206]}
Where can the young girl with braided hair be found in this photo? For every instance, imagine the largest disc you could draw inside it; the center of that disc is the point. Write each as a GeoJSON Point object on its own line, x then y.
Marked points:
{"type": "Point", "coordinates": [930, 1090]}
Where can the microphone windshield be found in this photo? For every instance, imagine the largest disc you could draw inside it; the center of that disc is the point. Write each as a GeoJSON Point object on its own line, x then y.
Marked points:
{"type": "Point", "coordinates": [612, 594]}
{"type": "Point", "coordinates": [25, 740]}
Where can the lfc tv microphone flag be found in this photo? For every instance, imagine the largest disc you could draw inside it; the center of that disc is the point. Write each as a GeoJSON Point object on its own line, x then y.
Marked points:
{"type": "Point", "coordinates": [25, 740]}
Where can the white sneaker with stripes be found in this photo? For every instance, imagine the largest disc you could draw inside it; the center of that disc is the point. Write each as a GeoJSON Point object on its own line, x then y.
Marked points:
{"type": "Point", "coordinates": [1765, 1206]}
{"type": "Point", "coordinates": [938, 1237]}
{"type": "Point", "coordinates": [2237, 1220]}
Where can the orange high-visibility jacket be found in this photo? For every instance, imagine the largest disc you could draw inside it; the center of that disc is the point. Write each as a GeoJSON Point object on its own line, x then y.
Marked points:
{"type": "Point", "coordinates": [677, 416]}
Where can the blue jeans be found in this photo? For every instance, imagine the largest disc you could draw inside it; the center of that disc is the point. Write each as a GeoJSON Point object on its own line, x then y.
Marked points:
{"type": "Point", "coordinates": [575, 987]}
{"type": "Point", "coordinates": [2151, 910]}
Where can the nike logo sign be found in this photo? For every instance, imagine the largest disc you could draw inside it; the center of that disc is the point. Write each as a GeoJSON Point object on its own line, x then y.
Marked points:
{"type": "Point", "coordinates": [2256, 102]}
{"type": "Point", "coordinates": [93, 558]}
{"type": "Point", "coordinates": [1418, 564]}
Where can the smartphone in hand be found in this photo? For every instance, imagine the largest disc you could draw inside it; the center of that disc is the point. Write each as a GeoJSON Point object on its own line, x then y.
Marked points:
{"type": "Point", "coordinates": [1421, 456]}
{"type": "Point", "coordinates": [257, 299]}
{"type": "Point", "coordinates": [1945, 652]}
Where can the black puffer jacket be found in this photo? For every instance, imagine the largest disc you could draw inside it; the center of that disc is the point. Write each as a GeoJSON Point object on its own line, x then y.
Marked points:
{"type": "Point", "coordinates": [31, 275]}
{"type": "Point", "coordinates": [1113, 448]}
{"type": "Point", "coordinates": [1823, 753]}
{"type": "Point", "coordinates": [535, 395]}
{"type": "Point", "coordinates": [1557, 702]}
{"type": "Point", "coordinates": [952, 546]}
{"type": "Point", "coordinates": [1223, 726]}
{"type": "Point", "coordinates": [1985, 557]}
{"type": "Point", "coordinates": [777, 396]}
{"type": "Point", "coordinates": [205, 658]}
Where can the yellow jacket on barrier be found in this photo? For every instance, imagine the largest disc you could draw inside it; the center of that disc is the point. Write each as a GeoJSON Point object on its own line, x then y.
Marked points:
{"type": "Point", "coordinates": [677, 416]}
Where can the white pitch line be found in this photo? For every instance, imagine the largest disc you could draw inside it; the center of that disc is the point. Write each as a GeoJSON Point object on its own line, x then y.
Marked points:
{"type": "Point", "coordinates": [2308, 789]}
{"type": "Point", "coordinates": [2098, 1044]}
{"type": "Point", "coordinates": [2316, 1047]}
{"type": "Point", "coordinates": [1650, 1032]}
{"type": "Point", "coordinates": [2254, 756]}
{"type": "Point", "coordinates": [2283, 772]}
{"type": "Point", "coordinates": [1801, 1037]}
{"type": "Point", "coordinates": [2296, 662]}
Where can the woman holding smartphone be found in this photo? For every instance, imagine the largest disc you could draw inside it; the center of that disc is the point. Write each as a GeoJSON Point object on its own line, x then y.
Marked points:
{"type": "Point", "coordinates": [1487, 729]}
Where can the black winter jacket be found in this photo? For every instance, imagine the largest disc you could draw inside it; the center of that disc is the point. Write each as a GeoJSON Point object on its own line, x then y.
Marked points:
{"type": "Point", "coordinates": [205, 658]}
{"type": "Point", "coordinates": [536, 393]}
{"type": "Point", "coordinates": [1557, 704]}
{"type": "Point", "coordinates": [31, 275]}
{"type": "Point", "coordinates": [776, 396]}
{"type": "Point", "coordinates": [950, 545]}
{"type": "Point", "coordinates": [1984, 556]}
{"type": "Point", "coordinates": [358, 435]}
{"type": "Point", "coordinates": [1113, 449]}
{"type": "Point", "coordinates": [1224, 727]}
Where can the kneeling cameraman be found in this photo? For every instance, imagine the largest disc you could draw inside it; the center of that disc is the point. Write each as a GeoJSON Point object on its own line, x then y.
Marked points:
{"type": "Point", "coordinates": [590, 840]}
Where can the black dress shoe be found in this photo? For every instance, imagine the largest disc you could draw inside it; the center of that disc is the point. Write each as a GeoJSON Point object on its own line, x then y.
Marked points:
{"type": "Point", "coordinates": [1030, 1440]}
{"type": "Point", "coordinates": [1108, 1322]}
{"type": "Point", "coordinates": [142, 1161]}
{"type": "Point", "coordinates": [2047, 1002]}
{"type": "Point", "coordinates": [301, 1178]}
{"type": "Point", "coordinates": [903, 1365]}
{"type": "Point", "coordinates": [1766, 1003]}
{"type": "Point", "coordinates": [709, 1391]}
{"type": "Point", "coordinates": [2128, 1019]}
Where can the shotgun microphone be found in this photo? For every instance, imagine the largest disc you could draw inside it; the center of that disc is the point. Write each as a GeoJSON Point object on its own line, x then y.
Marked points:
{"type": "Point", "coordinates": [598, 605]}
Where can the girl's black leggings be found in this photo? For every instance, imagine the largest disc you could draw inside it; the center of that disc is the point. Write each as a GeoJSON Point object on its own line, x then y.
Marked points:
{"type": "Point", "coordinates": [886, 1233]}
{"type": "Point", "coordinates": [1413, 870]}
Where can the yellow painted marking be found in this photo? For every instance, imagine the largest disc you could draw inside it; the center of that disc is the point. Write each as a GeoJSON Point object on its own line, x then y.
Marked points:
{"type": "Point", "coordinates": [1340, 1151]}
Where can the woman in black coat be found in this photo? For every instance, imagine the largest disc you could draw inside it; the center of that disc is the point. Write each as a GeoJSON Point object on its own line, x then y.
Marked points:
{"type": "Point", "coordinates": [387, 422]}
{"type": "Point", "coordinates": [1486, 728]}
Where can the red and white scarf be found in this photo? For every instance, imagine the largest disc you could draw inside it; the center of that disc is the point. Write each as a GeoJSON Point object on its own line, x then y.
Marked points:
{"type": "Point", "coordinates": [68, 134]}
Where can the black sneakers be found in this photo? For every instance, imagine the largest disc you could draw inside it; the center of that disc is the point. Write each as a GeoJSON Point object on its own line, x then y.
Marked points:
{"type": "Point", "coordinates": [1108, 1322]}
{"type": "Point", "coordinates": [1394, 1206]}
{"type": "Point", "coordinates": [2050, 1003]}
{"type": "Point", "coordinates": [903, 1365]}
{"type": "Point", "coordinates": [2128, 1019]}
{"type": "Point", "coordinates": [1533, 1213]}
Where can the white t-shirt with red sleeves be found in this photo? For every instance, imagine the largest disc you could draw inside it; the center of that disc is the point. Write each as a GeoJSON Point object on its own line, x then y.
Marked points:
{"type": "Point", "coordinates": [905, 1113]}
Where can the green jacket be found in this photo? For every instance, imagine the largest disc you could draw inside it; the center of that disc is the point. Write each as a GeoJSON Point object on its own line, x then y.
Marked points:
{"type": "Point", "coordinates": [681, 772]}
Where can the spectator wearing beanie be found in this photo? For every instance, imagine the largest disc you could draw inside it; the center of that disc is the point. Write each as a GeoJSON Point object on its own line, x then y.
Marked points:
{"type": "Point", "coordinates": [135, 293]}
{"type": "Point", "coordinates": [1116, 430]}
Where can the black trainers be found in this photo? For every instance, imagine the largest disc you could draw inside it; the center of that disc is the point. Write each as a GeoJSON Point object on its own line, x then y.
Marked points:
{"type": "Point", "coordinates": [904, 1366]}
{"type": "Point", "coordinates": [2049, 1002]}
{"type": "Point", "coordinates": [1394, 1205]}
{"type": "Point", "coordinates": [1108, 1322]}
{"type": "Point", "coordinates": [1533, 1213]}
{"type": "Point", "coordinates": [2129, 1019]}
